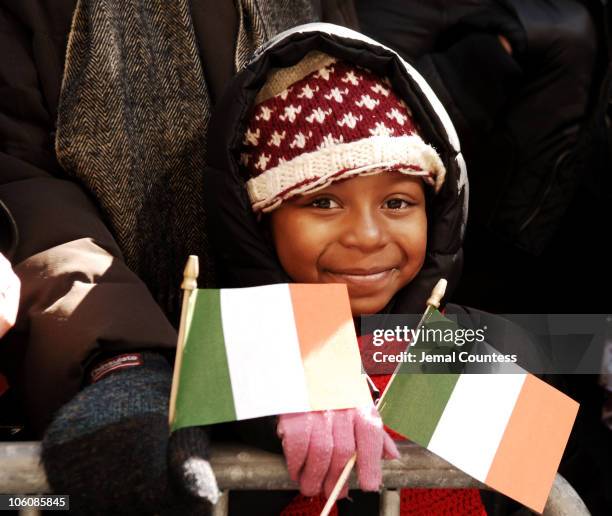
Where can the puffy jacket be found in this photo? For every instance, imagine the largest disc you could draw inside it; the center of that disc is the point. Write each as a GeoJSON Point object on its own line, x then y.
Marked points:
{"type": "Point", "coordinates": [244, 252]}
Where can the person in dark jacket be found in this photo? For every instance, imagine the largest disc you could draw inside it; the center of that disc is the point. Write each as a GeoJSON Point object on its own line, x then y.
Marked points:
{"type": "Point", "coordinates": [521, 119]}
{"type": "Point", "coordinates": [533, 129]}
{"type": "Point", "coordinates": [289, 142]}
{"type": "Point", "coordinates": [529, 105]}
{"type": "Point", "coordinates": [104, 114]}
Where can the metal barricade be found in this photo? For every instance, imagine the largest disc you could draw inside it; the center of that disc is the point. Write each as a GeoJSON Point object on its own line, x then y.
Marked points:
{"type": "Point", "coordinates": [241, 468]}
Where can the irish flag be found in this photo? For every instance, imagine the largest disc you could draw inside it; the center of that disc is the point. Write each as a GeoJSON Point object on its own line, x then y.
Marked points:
{"type": "Point", "coordinates": [261, 351]}
{"type": "Point", "coordinates": [505, 430]}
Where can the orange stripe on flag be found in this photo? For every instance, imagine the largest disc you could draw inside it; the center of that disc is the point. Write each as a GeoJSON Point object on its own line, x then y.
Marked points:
{"type": "Point", "coordinates": [527, 459]}
{"type": "Point", "coordinates": [328, 348]}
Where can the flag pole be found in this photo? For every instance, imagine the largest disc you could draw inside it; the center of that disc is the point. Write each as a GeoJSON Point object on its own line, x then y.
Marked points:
{"type": "Point", "coordinates": [433, 303]}
{"type": "Point", "coordinates": [189, 284]}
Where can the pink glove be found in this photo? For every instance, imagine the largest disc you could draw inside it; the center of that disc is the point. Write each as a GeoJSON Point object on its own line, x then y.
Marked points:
{"type": "Point", "coordinates": [317, 446]}
{"type": "Point", "coordinates": [9, 295]}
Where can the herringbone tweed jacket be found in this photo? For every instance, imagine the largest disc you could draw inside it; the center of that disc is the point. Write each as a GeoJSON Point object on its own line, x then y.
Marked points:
{"type": "Point", "coordinates": [133, 114]}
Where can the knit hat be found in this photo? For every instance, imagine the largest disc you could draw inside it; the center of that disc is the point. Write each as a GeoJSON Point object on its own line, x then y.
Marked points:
{"type": "Point", "coordinates": [323, 120]}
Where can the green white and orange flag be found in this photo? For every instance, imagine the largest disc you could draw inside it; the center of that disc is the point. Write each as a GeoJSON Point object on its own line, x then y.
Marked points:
{"type": "Point", "coordinates": [506, 430]}
{"type": "Point", "coordinates": [260, 351]}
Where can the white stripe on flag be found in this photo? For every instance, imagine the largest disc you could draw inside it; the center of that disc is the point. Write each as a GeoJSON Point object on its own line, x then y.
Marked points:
{"type": "Point", "coordinates": [260, 336]}
{"type": "Point", "coordinates": [473, 422]}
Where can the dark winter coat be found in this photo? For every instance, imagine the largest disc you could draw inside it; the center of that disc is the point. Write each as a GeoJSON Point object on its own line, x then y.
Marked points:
{"type": "Point", "coordinates": [519, 117]}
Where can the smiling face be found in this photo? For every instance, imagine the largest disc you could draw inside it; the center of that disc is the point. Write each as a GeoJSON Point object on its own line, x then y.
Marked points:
{"type": "Point", "coordinates": [369, 232]}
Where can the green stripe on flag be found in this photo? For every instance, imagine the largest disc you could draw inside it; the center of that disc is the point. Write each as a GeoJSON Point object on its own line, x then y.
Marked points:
{"type": "Point", "coordinates": [205, 390]}
{"type": "Point", "coordinates": [415, 401]}
{"type": "Point", "coordinates": [414, 404]}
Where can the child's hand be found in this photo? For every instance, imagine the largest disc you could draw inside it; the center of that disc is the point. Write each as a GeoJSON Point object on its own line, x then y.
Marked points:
{"type": "Point", "coordinates": [317, 446]}
{"type": "Point", "coordinates": [9, 295]}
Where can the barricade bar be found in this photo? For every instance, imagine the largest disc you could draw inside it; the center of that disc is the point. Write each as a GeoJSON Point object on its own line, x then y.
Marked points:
{"type": "Point", "coordinates": [243, 468]}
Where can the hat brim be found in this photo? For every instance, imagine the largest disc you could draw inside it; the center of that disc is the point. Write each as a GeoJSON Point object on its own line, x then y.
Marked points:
{"type": "Point", "coordinates": [313, 171]}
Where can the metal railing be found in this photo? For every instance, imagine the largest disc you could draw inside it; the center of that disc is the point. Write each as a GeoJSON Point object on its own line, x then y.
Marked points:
{"type": "Point", "coordinates": [241, 468]}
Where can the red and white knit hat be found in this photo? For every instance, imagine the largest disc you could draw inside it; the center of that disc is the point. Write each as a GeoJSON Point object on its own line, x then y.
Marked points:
{"type": "Point", "coordinates": [323, 120]}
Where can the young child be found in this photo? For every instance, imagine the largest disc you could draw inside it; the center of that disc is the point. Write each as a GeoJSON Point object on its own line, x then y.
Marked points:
{"type": "Point", "coordinates": [341, 181]}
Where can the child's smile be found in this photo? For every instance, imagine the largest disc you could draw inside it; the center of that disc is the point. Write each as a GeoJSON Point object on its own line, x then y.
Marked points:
{"type": "Point", "coordinates": [369, 232]}
{"type": "Point", "coordinates": [363, 282]}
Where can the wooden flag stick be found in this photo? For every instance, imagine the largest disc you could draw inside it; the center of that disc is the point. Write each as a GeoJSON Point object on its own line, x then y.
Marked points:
{"type": "Point", "coordinates": [189, 284]}
{"type": "Point", "coordinates": [433, 303]}
{"type": "Point", "coordinates": [339, 484]}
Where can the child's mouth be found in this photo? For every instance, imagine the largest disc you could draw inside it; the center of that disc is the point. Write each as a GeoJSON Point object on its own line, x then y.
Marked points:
{"type": "Point", "coordinates": [363, 278]}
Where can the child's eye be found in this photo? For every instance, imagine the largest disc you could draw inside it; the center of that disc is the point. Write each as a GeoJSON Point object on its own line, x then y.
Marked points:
{"type": "Point", "coordinates": [324, 203]}
{"type": "Point", "coordinates": [397, 204]}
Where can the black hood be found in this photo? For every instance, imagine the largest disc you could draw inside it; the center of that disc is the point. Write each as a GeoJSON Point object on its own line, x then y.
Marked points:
{"type": "Point", "coordinates": [245, 256]}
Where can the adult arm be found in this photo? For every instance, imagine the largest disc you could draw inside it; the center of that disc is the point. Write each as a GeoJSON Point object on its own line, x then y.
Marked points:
{"type": "Point", "coordinates": [79, 300]}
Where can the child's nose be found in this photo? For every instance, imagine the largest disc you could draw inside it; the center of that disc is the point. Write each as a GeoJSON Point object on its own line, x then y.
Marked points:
{"type": "Point", "coordinates": [364, 230]}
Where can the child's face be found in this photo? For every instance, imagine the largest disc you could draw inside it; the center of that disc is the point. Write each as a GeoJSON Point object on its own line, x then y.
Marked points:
{"type": "Point", "coordinates": [369, 232]}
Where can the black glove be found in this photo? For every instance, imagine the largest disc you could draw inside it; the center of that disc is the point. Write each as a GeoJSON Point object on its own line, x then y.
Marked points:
{"type": "Point", "coordinates": [109, 448]}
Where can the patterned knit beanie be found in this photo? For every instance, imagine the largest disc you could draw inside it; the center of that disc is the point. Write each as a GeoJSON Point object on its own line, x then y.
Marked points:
{"type": "Point", "coordinates": [323, 120]}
